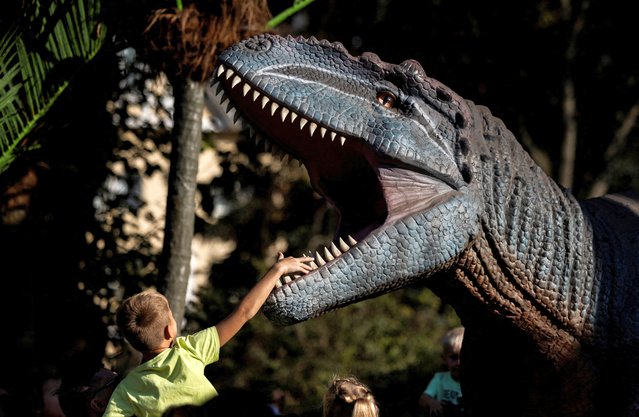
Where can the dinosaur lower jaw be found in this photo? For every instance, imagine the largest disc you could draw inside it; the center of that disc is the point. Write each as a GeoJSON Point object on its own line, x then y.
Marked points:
{"type": "Point", "coordinates": [368, 193]}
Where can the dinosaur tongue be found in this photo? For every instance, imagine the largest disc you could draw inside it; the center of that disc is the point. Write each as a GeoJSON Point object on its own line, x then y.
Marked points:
{"type": "Point", "coordinates": [407, 192]}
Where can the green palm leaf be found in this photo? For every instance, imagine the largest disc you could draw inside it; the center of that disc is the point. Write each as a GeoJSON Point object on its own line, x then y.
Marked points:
{"type": "Point", "coordinates": [288, 12]}
{"type": "Point", "coordinates": [38, 57]}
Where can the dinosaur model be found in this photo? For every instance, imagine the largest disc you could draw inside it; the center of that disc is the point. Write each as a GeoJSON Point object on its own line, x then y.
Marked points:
{"type": "Point", "coordinates": [431, 187]}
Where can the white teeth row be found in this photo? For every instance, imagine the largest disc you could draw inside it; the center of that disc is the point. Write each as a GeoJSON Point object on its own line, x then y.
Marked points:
{"type": "Point", "coordinates": [284, 113]}
{"type": "Point", "coordinates": [330, 253]}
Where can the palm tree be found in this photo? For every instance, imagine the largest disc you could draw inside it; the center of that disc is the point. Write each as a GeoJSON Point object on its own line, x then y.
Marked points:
{"type": "Point", "coordinates": [183, 42]}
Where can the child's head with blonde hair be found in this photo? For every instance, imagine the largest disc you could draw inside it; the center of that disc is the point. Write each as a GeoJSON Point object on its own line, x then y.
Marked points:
{"type": "Point", "coordinates": [348, 397]}
{"type": "Point", "coordinates": [451, 355]}
{"type": "Point", "coordinates": [452, 340]}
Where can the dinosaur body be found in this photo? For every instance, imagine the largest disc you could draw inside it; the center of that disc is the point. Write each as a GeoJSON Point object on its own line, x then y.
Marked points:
{"type": "Point", "coordinates": [431, 187]}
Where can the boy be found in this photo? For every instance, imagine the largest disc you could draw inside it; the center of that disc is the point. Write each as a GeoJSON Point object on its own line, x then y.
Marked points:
{"type": "Point", "coordinates": [443, 394]}
{"type": "Point", "coordinates": [172, 369]}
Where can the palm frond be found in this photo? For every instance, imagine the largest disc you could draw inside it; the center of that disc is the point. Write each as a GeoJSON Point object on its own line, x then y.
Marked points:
{"type": "Point", "coordinates": [39, 55]}
{"type": "Point", "coordinates": [288, 12]}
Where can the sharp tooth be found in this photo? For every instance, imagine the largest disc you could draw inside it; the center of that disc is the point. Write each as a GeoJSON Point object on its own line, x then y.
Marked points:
{"type": "Point", "coordinates": [265, 101]}
{"type": "Point", "coordinates": [333, 134]}
{"type": "Point", "coordinates": [328, 255]}
{"type": "Point", "coordinates": [303, 122]}
{"type": "Point", "coordinates": [311, 263]}
{"type": "Point", "coordinates": [256, 94]}
{"type": "Point", "coordinates": [342, 245]}
{"type": "Point", "coordinates": [274, 107]}
{"type": "Point", "coordinates": [229, 107]}
{"type": "Point", "coordinates": [342, 139]}
{"type": "Point", "coordinates": [267, 145]}
{"type": "Point", "coordinates": [229, 72]}
{"type": "Point", "coordinates": [285, 158]}
{"type": "Point", "coordinates": [296, 276]}
{"type": "Point", "coordinates": [293, 116]}
{"type": "Point", "coordinates": [319, 259]}
{"type": "Point", "coordinates": [312, 127]}
{"type": "Point", "coordinates": [322, 131]}
{"type": "Point", "coordinates": [218, 88]}
{"type": "Point", "coordinates": [215, 86]}
{"type": "Point", "coordinates": [223, 98]}
{"type": "Point", "coordinates": [284, 113]}
{"type": "Point", "coordinates": [220, 70]}
{"type": "Point", "coordinates": [351, 241]}
{"type": "Point", "coordinates": [334, 250]}
{"type": "Point", "coordinates": [236, 81]}
{"type": "Point", "coordinates": [278, 284]}
{"type": "Point", "coordinates": [258, 138]}
{"type": "Point", "coordinates": [245, 89]}
{"type": "Point", "coordinates": [236, 115]}
{"type": "Point", "coordinates": [287, 279]}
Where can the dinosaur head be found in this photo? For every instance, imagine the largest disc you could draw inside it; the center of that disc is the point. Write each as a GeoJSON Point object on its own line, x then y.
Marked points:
{"type": "Point", "coordinates": [383, 143]}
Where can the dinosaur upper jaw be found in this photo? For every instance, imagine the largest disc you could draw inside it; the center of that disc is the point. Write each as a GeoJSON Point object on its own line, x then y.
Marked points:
{"type": "Point", "coordinates": [366, 189]}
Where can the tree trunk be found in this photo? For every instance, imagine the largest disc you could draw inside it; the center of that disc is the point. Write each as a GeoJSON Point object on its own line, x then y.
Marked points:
{"type": "Point", "coordinates": [180, 207]}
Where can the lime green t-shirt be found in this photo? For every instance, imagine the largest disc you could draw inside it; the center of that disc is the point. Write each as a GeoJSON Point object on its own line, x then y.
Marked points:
{"type": "Point", "coordinates": [174, 377]}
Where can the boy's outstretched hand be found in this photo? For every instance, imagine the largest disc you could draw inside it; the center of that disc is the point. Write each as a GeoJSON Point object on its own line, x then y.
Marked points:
{"type": "Point", "coordinates": [290, 265]}
{"type": "Point", "coordinates": [254, 300]}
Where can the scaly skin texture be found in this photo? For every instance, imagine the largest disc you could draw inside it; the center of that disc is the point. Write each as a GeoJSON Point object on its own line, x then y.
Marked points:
{"type": "Point", "coordinates": [434, 188]}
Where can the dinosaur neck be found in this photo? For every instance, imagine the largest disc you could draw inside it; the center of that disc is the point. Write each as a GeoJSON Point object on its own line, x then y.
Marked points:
{"type": "Point", "coordinates": [486, 293]}
{"type": "Point", "coordinates": [536, 238]}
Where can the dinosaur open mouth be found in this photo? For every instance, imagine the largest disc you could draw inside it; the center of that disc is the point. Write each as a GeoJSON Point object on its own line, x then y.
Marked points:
{"type": "Point", "coordinates": [367, 191]}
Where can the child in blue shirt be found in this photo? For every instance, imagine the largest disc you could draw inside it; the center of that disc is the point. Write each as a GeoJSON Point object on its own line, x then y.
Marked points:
{"type": "Point", "coordinates": [444, 391]}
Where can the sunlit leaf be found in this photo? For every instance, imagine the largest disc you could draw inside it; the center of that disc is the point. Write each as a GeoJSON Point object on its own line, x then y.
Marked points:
{"type": "Point", "coordinates": [288, 12]}
{"type": "Point", "coordinates": [39, 55]}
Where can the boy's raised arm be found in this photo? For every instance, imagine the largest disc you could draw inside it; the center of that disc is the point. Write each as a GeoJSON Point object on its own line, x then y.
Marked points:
{"type": "Point", "coordinates": [253, 301]}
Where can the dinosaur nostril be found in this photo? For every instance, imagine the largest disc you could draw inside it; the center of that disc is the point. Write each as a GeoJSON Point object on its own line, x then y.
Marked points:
{"type": "Point", "coordinates": [257, 44]}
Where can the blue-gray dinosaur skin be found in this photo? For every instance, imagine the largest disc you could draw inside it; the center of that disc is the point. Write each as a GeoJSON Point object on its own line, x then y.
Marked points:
{"type": "Point", "coordinates": [436, 189]}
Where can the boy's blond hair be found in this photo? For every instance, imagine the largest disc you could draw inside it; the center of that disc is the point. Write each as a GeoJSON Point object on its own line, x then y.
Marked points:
{"type": "Point", "coordinates": [452, 340]}
{"type": "Point", "coordinates": [348, 397]}
{"type": "Point", "coordinates": [142, 319]}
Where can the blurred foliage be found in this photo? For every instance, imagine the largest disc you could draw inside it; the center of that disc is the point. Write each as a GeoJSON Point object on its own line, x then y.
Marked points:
{"type": "Point", "coordinates": [80, 229]}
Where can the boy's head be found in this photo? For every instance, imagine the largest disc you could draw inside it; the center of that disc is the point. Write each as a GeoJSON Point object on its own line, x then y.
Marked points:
{"type": "Point", "coordinates": [146, 320]}
{"type": "Point", "coordinates": [451, 344]}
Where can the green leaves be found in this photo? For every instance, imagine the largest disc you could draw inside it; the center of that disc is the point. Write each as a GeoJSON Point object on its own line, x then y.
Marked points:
{"type": "Point", "coordinates": [39, 55]}
{"type": "Point", "coordinates": [296, 7]}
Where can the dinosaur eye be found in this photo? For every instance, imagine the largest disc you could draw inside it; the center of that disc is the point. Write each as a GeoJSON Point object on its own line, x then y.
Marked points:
{"type": "Point", "coordinates": [386, 99]}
